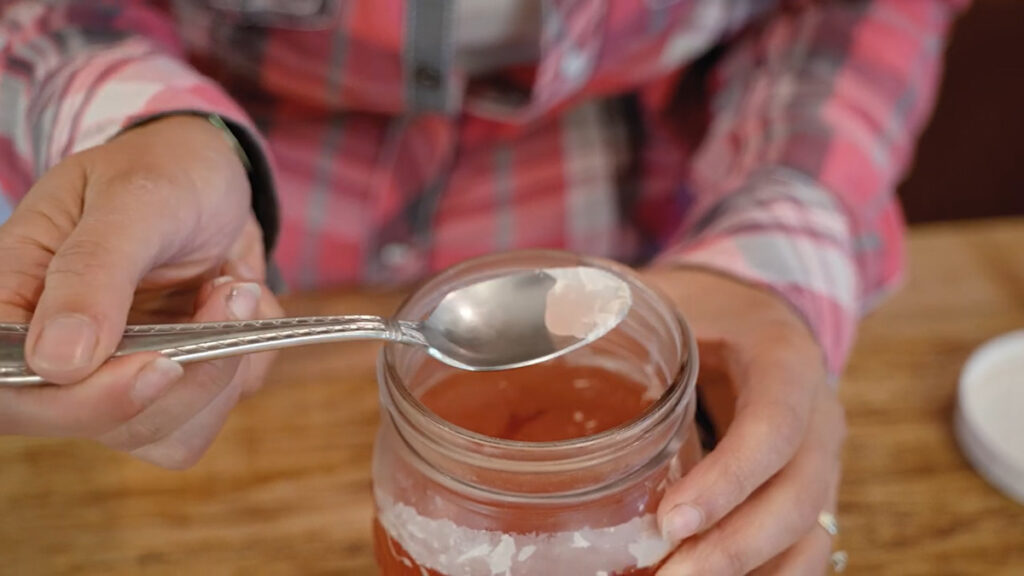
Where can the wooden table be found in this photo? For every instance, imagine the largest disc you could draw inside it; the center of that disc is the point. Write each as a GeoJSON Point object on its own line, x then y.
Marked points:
{"type": "Point", "coordinates": [286, 488]}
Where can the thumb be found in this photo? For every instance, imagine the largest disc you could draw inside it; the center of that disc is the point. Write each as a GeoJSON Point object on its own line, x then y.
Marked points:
{"type": "Point", "coordinates": [90, 284]}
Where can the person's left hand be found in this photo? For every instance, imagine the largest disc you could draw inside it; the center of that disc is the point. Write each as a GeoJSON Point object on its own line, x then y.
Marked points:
{"type": "Point", "coordinates": [751, 506]}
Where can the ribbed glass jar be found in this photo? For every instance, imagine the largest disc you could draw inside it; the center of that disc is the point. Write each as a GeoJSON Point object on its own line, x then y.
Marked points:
{"type": "Point", "coordinates": [548, 470]}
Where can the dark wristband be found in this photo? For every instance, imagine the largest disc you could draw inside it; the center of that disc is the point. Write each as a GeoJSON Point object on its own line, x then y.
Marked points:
{"type": "Point", "coordinates": [219, 123]}
{"type": "Point", "coordinates": [261, 182]}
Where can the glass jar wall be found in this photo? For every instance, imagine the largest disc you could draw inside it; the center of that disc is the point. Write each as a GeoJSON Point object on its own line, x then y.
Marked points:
{"type": "Point", "coordinates": [552, 469]}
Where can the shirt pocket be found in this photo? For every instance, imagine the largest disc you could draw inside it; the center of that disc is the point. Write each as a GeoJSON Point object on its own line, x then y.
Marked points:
{"type": "Point", "coordinates": [287, 14]}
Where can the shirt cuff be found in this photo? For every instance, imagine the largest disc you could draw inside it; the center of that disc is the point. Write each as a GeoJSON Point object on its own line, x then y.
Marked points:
{"type": "Point", "coordinates": [784, 233]}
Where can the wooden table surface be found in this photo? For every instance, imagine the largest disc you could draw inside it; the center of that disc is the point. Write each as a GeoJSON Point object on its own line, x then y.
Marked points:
{"type": "Point", "coordinates": [286, 488]}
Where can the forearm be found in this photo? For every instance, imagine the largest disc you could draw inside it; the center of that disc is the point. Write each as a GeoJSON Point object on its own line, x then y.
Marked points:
{"type": "Point", "coordinates": [815, 117]}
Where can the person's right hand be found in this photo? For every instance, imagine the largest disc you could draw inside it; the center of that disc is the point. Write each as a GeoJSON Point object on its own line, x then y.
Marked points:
{"type": "Point", "coordinates": [154, 226]}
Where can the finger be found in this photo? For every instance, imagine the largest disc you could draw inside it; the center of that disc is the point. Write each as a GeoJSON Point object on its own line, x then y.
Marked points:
{"type": "Point", "coordinates": [30, 237]}
{"type": "Point", "coordinates": [808, 557]}
{"type": "Point", "coordinates": [775, 517]}
{"type": "Point", "coordinates": [258, 365]}
{"type": "Point", "coordinates": [207, 289]}
{"type": "Point", "coordinates": [775, 391]}
{"type": "Point", "coordinates": [184, 447]}
{"type": "Point", "coordinates": [256, 368]}
{"type": "Point", "coordinates": [92, 277]}
{"type": "Point", "coordinates": [246, 262]}
{"type": "Point", "coordinates": [255, 371]}
{"type": "Point", "coordinates": [121, 390]}
{"type": "Point", "coordinates": [250, 269]}
{"type": "Point", "coordinates": [812, 555]}
{"type": "Point", "coordinates": [21, 281]}
{"type": "Point", "coordinates": [202, 382]}
{"type": "Point", "coordinates": [248, 256]}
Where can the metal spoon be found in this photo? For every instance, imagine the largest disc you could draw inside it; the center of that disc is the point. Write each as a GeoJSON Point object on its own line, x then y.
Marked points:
{"type": "Point", "coordinates": [508, 321]}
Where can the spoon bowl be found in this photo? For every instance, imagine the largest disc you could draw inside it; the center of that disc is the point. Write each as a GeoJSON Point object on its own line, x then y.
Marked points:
{"type": "Point", "coordinates": [525, 318]}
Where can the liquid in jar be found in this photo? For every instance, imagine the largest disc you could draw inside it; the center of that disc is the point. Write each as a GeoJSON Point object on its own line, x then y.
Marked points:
{"type": "Point", "coordinates": [551, 402]}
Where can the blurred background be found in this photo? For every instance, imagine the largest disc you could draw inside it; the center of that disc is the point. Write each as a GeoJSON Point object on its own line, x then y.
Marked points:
{"type": "Point", "coordinates": [970, 161]}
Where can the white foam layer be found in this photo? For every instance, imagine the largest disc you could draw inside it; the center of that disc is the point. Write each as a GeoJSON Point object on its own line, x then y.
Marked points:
{"type": "Point", "coordinates": [585, 302]}
{"type": "Point", "coordinates": [453, 550]}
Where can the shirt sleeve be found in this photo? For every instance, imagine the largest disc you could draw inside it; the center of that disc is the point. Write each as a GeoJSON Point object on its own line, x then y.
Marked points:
{"type": "Point", "coordinates": [814, 118]}
{"type": "Point", "coordinates": [74, 74]}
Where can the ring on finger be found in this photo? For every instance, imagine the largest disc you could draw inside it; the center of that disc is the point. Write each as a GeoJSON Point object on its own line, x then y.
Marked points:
{"type": "Point", "coordinates": [828, 522]}
{"type": "Point", "coordinates": [838, 559]}
{"type": "Point", "coordinates": [830, 525]}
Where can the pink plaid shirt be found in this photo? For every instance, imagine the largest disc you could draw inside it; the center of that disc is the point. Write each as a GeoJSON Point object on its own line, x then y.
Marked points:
{"type": "Point", "coordinates": [759, 138]}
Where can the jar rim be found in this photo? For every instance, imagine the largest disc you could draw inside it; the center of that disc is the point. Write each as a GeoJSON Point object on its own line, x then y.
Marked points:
{"type": "Point", "coordinates": [678, 391]}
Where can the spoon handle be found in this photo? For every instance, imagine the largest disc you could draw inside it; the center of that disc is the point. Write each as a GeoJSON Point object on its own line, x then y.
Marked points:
{"type": "Point", "coordinates": [187, 343]}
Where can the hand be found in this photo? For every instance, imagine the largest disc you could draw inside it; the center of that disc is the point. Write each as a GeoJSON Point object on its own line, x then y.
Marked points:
{"type": "Point", "coordinates": [751, 505]}
{"type": "Point", "coordinates": [154, 226]}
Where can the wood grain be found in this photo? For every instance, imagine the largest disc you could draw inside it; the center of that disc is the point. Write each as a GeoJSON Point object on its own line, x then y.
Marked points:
{"type": "Point", "coordinates": [910, 505]}
{"type": "Point", "coordinates": [286, 488]}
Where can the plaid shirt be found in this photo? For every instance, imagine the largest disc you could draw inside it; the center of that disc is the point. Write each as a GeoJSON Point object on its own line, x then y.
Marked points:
{"type": "Point", "coordinates": [758, 138]}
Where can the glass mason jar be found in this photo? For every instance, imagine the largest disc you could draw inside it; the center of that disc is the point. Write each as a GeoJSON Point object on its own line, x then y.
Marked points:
{"type": "Point", "coordinates": [577, 496]}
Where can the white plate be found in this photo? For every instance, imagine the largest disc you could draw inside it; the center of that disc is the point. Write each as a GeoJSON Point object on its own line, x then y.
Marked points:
{"type": "Point", "coordinates": [989, 418]}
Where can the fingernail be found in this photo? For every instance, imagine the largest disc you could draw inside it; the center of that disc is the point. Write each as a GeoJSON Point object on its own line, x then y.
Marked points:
{"type": "Point", "coordinates": [66, 343]}
{"type": "Point", "coordinates": [681, 522]}
{"type": "Point", "coordinates": [243, 299]}
{"type": "Point", "coordinates": [154, 379]}
{"type": "Point", "coordinates": [221, 280]}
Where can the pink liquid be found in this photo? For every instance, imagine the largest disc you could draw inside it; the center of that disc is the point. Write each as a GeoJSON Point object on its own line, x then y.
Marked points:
{"type": "Point", "coordinates": [543, 403]}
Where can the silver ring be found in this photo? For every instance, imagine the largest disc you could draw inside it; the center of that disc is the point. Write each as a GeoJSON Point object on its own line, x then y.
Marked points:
{"type": "Point", "coordinates": [828, 521]}
{"type": "Point", "coordinates": [839, 559]}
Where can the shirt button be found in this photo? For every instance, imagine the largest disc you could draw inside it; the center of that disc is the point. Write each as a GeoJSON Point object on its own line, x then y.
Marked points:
{"type": "Point", "coordinates": [399, 256]}
{"type": "Point", "coordinates": [574, 65]}
{"type": "Point", "coordinates": [427, 77]}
